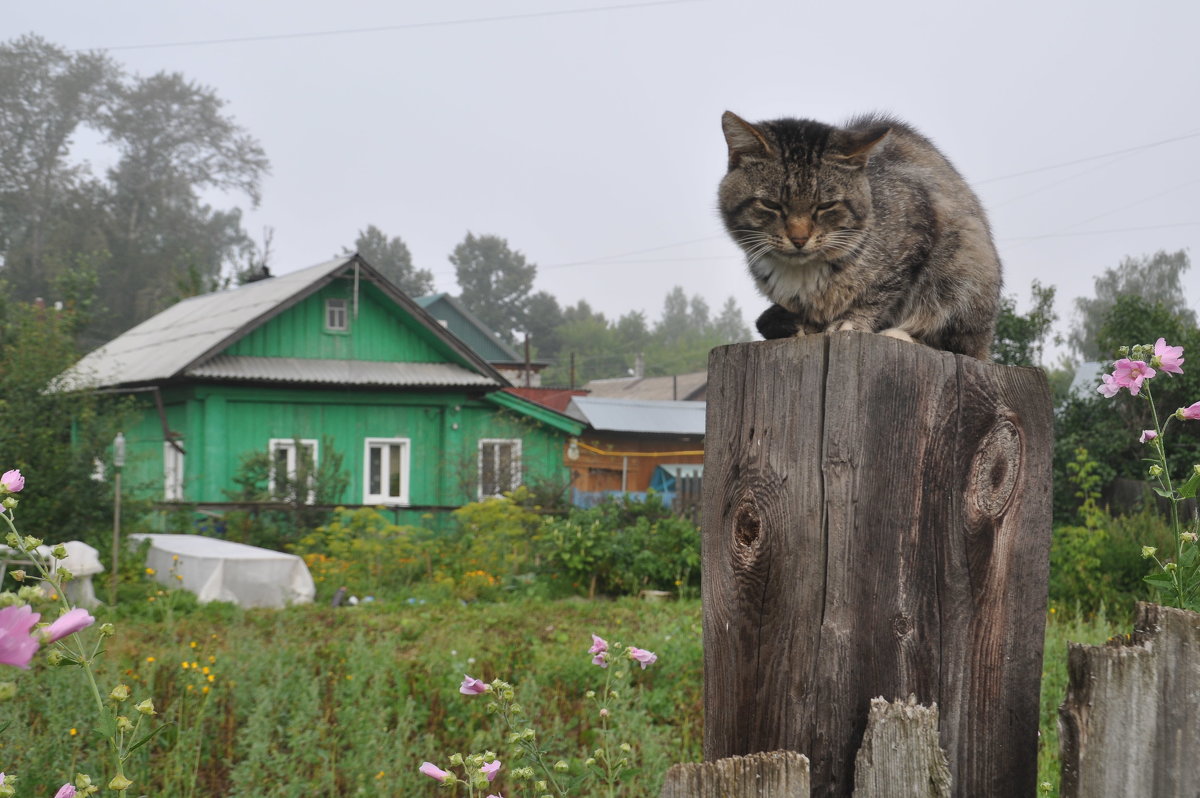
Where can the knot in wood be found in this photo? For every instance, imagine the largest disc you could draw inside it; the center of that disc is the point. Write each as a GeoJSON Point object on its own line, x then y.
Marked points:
{"type": "Point", "coordinates": [992, 478]}
{"type": "Point", "coordinates": [747, 524]}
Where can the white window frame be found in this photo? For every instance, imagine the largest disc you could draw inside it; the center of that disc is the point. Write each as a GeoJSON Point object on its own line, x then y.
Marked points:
{"type": "Point", "coordinates": [288, 445]}
{"type": "Point", "coordinates": [173, 465]}
{"type": "Point", "coordinates": [337, 315]}
{"type": "Point", "coordinates": [385, 496]}
{"type": "Point", "coordinates": [514, 479]}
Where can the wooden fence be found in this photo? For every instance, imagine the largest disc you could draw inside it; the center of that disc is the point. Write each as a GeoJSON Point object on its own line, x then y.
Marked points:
{"type": "Point", "coordinates": [876, 522]}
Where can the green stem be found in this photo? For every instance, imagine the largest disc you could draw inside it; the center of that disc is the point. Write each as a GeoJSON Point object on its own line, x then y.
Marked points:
{"type": "Point", "coordinates": [1164, 479]}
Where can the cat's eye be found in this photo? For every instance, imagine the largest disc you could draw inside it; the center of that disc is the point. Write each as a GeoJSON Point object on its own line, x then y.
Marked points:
{"type": "Point", "coordinates": [770, 205]}
{"type": "Point", "coordinates": [827, 206]}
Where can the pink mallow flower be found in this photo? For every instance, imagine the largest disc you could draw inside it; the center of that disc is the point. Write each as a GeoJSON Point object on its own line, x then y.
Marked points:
{"type": "Point", "coordinates": [17, 646]}
{"type": "Point", "coordinates": [1132, 373]}
{"type": "Point", "coordinates": [1168, 358]}
{"type": "Point", "coordinates": [12, 481]}
{"type": "Point", "coordinates": [1109, 386]}
{"type": "Point", "coordinates": [643, 656]}
{"type": "Point", "coordinates": [600, 649]}
{"type": "Point", "coordinates": [69, 623]}
{"type": "Point", "coordinates": [434, 772]}
{"type": "Point", "coordinates": [1189, 413]}
{"type": "Point", "coordinates": [490, 769]}
{"type": "Point", "coordinates": [1147, 436]}
{"type": "Point", "coordinates": [65, 791]}
{"type": "Point", "coordinates": [471, 686]}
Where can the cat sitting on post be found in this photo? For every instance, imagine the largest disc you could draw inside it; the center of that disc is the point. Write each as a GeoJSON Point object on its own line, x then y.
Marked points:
{"type": "Point", "coordinates": [863, 227]}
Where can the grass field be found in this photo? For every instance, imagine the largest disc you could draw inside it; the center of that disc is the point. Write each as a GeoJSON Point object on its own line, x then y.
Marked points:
{"type": "Point", "coordinates": [317, 701]}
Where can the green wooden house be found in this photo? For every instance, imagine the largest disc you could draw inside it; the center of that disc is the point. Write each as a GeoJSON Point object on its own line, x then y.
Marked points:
{"type": "Point", "coordinates": [329, 356]}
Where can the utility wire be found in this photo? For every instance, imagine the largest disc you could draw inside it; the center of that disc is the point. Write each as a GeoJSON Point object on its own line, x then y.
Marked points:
{"type": "Point", "coordinates": [1087, 159]}
{"type": "Point", "coordinates": [407, 26]}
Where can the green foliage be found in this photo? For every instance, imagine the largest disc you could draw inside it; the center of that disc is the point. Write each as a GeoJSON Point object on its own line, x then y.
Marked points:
{"type": "Point", "coordinates": [1155, 279]}
{"type": "Point", "coordinates": [392, 258]}
{"type": "Point", "coordinates": [622, 546]}
{"type": "Point", "coordinates": [307, 492]}
{"type": "Point", "coordinates": [1096, 561]}
{"type": "Point", "coordinates": [142, 229]}
{"type": "Point", "coordinates": [1019, 340]}
{"type": "Point", "coordinates": [499, 534]}
{"type": "Point", "coordinates": [361, 550]}
{"type": "Point", "coordinates": [55, 437]}
{"type": "Point", "coordinates": [317, 701]}
{"type": "Point", "coordinates": [495, 281]}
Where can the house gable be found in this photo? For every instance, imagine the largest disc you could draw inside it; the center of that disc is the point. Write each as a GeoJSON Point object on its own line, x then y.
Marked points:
{"type": "Point", "coordinates": [376, 330]}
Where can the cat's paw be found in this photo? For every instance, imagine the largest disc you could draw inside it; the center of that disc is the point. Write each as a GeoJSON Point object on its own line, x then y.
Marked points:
{"type": "Point", "coordinates": [843, 326]}
{"type": "Point", "coordinates": [898, 334]}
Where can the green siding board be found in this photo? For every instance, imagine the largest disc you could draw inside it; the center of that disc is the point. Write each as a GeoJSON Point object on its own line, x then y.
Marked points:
{"type": "Point", "coordinates": [221, 424]}
{"type": "Point", "coordinates": [380, 332]}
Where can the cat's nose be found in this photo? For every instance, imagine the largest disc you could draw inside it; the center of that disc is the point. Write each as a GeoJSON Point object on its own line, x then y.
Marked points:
{"type": "Point", "coordinates": [798, 240]}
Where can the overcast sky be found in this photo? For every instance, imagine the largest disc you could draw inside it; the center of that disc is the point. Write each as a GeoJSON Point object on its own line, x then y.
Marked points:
{"type": "Point", "coordinates": [587, 132]}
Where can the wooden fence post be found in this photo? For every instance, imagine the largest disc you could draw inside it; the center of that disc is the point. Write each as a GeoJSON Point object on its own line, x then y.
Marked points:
{"type": "Point", "coordinates": [876, 521]}
{"type": "Point", "coordinates": [1130, 725]}
{"type": "Point", "coordinates": [777, 774]}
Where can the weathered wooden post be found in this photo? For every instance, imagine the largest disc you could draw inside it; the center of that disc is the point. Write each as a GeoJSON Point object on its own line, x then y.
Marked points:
{"type": "Point", "coordinates": [876, 522]}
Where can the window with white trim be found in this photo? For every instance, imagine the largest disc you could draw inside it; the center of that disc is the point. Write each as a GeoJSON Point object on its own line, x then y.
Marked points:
{"type": "Point", "coordinates": [173, 470]}
{"type": "Point", "coordinates": [293, 460]}
{"type": "Point", "coordinates": [499, 466]}
{"type": "Point", "coordinates": [385, 470]}
{"type": "Point", "coordinates": [337, 318]}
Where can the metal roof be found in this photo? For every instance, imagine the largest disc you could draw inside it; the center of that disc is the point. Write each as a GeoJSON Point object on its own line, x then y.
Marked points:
{"type": "Point", "coordinates": [677, 386]}
{"type": "Point", "coordinates": [467, 326]}
{"type": "Point", "coordinates": [343, 372]}
{"type": "Point", "coordinates": [183, 337]}
{"type": "Point", "coordinates": [633, 415]}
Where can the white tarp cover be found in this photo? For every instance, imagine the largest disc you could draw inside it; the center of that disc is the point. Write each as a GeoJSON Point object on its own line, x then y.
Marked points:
{"type": "Point", "coordinates": [221, 570]}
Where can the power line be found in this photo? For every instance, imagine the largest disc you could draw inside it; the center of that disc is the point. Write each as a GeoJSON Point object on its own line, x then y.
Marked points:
{"type": "Point", "coordinates": [1088, 158]}
{"type": "Point", "coordinates": [406, 26]}
{"type": "Point", "coordinates": [627, 254]}
{"type": "Point", "coordinates": [1103, 232]}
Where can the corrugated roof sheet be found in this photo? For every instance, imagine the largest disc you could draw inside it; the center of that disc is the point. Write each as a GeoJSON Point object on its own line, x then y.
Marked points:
{"type": "Point", "coordinates": [633, 415]}
{"type": "Point", "coordinates": [161, 346]}
{"type": "Point", "coordinates": [679, 386]}
{"type": "Point", "coordinates": [342, 372]}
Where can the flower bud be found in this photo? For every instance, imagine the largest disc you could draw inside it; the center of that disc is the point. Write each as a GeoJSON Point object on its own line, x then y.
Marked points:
{"type": "Point", "coordinates": [1155, 470]}
{"type": "Point", "coordinates": [540, 786]}
{"type": "Point", "coordinates": [589, 761]}
{"type": "Point", "coordinates": [1188, 537]}
{"type": "Point", "coordinates": [561, 766]}
{"type": "Point", "coordinates": [119, 693]}
{"type": "Point", "coordinates": [1170, 566]}
{"type": "Point", "coordinates": [59, 552]}
{"type": "Point", "coordinates": [107, 629]}
{"type": "Point", "coordinates": [54, 657]}
{"type": "Point", "coordinates": [124, 724]}
{"type": "Point", "coordinates": [1149, 551]}
{"type": "Point", "coordinates": [82, 781]}
{"type": "Point", "coordinates": [9, 503]}
{"type": "Point", "coordinates": [146, 707]}
{"type": "Point", "coordinates": [30, 543]}
{"type": "Point", "coordinates": [17, 575]}
{"type": "Point", "coordinates": [29, 594]}
{"type": "Point", "coordinates": [626, 748]}
{"type": "Point", "coordinates": [590, 694]}
{"type": "Point", "coordinates": [13, 540]}
{"type": "Point", "coordinates": [8, 691]}
{"type": "Point", "coordinates": [6, 790]}
{"type": "Point", "coordinates": [64, 575]}
{"type": "Point", "coordinates": [456, 759]}
{"type": "Point", "coordinates": [119, 782]}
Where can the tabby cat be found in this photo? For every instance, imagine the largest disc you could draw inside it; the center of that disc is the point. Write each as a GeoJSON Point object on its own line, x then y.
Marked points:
{"type": "Point", "coordinates": [862, 227]}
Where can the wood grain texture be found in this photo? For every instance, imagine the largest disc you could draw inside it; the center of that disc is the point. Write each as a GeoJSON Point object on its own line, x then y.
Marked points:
{"type": "Point", "coordinates": [876, 522]}
{"type": "Point", "coordinates": [1130, 725]}
{"type": "Point", "coordinates": [900, 755]}
{"type": "Point", "coordinates": [777, 774]}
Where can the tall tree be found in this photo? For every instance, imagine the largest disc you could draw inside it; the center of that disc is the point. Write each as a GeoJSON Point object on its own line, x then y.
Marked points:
{"type": "Point", "coordinates": [142, 228]}
{"type": "Point", "coordinates": [1020, 340]}
{"type": "Point", "coordinates": [1154, 278]}
{"type": "Point", "coordinates": [729, 326]}
{"type": "Point", "coordinates": [543, 317]}
{"type": "Point", "coordinates": [495, 282]}
{"type": "Point", "coordinates": [46, 94]}
{"type": "Point", "coordinates": [392, 257]}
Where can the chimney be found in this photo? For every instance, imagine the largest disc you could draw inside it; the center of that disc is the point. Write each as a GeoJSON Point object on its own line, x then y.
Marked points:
{"type": "Point", "coordinates": [639, 366]}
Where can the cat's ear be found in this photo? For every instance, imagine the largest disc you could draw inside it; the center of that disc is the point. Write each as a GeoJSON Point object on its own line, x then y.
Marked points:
{"type": "Point", "coordinates": [853, 148]}
{"type": "Point", "coordinates": [744, 139]}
